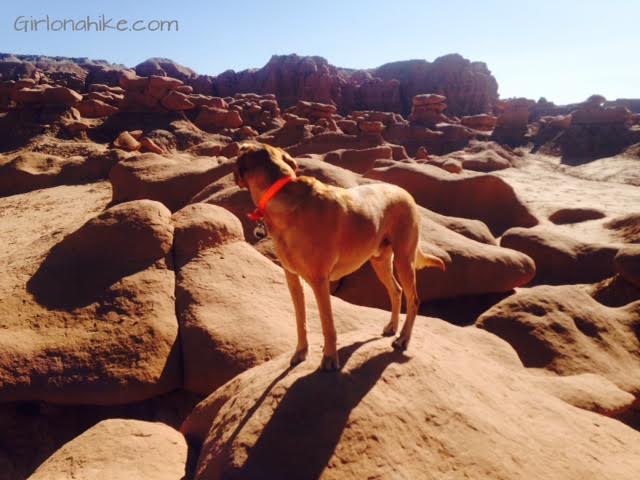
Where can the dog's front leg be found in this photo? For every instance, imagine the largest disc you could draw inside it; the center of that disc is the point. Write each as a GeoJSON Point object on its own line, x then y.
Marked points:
{"type": "Point", "coordinates": [320, 288]}
{"type": "Point", "coordinates": [297, 295]}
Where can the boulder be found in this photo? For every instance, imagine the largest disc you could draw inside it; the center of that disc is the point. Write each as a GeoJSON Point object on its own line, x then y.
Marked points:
{"type": "Point", "coordinates": [441, 408]}
{"type": "Point", "coordinates": [118, 448]}
{"type": "Point", "coordinates": [482, 121]}
{"type": "Point", "coordinates": [563, 330]}
{"type": "Point", "coordinates": [483, 197]}
{"type": "Point", "coordinates": [91, 108]}
{"type": "Point", "coordinates": [560, 258]}
{"type": "Point", "coordinates": [212, 118]}
{"type": "Point", "coordinates": [29, 171]}
{"type": "Point", "coordinates": [171, 180]}
{"type": "Point", "coordinates": [176, 101]}
{"type": "Point", "coordinates": [126, 141]}
{"type": "Point", "coordinates": [89, 313]}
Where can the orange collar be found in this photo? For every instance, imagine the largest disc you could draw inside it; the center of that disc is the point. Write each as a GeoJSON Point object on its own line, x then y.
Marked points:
{"type": "Point", "coordinates": [271, 192]}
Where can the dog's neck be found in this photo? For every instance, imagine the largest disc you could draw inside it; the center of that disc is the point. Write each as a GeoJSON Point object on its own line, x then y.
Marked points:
{"type": "Point", "coordinates": [278, 205]}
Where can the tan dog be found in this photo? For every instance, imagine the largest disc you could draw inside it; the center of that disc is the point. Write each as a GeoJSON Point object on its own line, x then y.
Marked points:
{"type": "Point", "coordinates": [322, 233]}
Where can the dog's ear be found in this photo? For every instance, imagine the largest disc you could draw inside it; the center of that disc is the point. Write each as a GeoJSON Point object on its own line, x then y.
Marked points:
{"type": "Point", "coordinates": [289, 160]}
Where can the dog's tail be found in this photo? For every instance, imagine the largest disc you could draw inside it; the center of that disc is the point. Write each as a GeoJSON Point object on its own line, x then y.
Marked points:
{"type": "Point", "coordinates": [424, 260]}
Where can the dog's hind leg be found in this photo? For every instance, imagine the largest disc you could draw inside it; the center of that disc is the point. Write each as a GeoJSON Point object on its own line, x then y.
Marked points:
{"type": "Point", "coordinates": [297, 295]}
{"type": "Point", "coordinates": [320, 288]}
{"type": "Point", "coordinates": [405, 267]}
{"type": "Point", "coordinates": [383, 266]}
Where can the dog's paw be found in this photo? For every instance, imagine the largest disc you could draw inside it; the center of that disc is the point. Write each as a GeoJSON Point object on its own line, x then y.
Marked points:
{"type": "Point", "coordinates": [299, 356]}
{"type": "Point", "coordinates": [389, 330]}
{"type": "Point", "coordinates": [401, 343]}
{"type": "Point", "coordinates": [330, 363]}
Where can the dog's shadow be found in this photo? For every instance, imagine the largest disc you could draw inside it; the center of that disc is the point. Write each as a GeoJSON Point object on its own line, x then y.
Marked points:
{"type": "Point", "coordinates": [302, 434]}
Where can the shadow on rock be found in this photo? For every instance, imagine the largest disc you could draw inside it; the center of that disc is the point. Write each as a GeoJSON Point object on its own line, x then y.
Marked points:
{"type": "Point", "coordinates": [305, 428]}
{"type": "Point", "coordinates": [119, 242]}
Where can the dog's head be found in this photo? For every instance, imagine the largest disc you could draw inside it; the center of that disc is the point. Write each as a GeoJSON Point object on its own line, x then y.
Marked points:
{"type": "Point", "coordinates": [262, 162]}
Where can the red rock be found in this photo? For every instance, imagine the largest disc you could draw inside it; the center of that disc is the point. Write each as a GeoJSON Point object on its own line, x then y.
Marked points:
{"type": "Point", "coordinates": [484, 197]}
{"type": "Point", "coordinates": [91, 108]}
{"type": "Point", "coordinates": [148, 145]}
{"type": "Point", "coordinates": [428, 99]}
{"type": "Point", "coordinates": [369, 127]}
{"type": "Point", "coordinates": [126, 141]}
{"type": "Point", "coordinates": [164, 67]}
{"type": "Point", "coordinates": [118, 448]}
{"type": "Point", "coordinates": [130, 81]}
{"type": "Point", "coordinates": [212, 118]}
{"type": "Point", "coordinates": [176, 101]}
{"type": "Point", "coordinates": [186, 89]}
{"type": "Point", "coordinates": [358, 161]}
{"type": "Point", "coordinates": [170, 180]}
{"type": "Point", "coordinates": [561, 259]}
{"type": "Point", "coordinates": [200, 100]}
{"type": "Point", "coordinates": [565, 331]}
{"type": "Point", "coordinates": [356, 432]}
{"type": "Point", "coordinates": [480, 122]}
{"type": "Point", "coordinates": [591, 115]}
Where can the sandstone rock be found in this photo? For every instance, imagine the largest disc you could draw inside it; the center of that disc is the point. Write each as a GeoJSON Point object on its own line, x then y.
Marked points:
{"type": "Point", "coordinates": [564, 330]}
{"type": "Point", "coordinates": [105, 290]}
{"type": "Point", "coordinates": [626, 227]}
{"type": "Point", "coordinates": [61, 96]}
{"type": "Point", "coordinates": [480, 122]}
{"type": "Point", "coordinates": [427, 109]}
{"type": "Point", "coordinates": [428, 99]}
{"type": "Point", "coordinates": [34, 170]}
{"type": "Point", "coordinates": [484, 197]}
{"type": "Point", "coordinates": [559, 258]}
{"type": "Point", "coordinates": [119, 448]}
{"type": "Point", "coordinates": [358, 161]}
{"type": "Point", "coordinates": [199, 100]}
{"type": "Point", "coordinates": [161, 82]}
{"type": "Point", "coordinates": [92, 108]}
{"type": "Point", "coordinates": [169, 180]}
{"type": "Point", "coordinates": [483, 157]}
{"type": "Point", "coordinates": [126, 141]}
{"type": "Point", "coordinates": [211, 118]}
{"type": "Point", "coordinates": [164, 67]}
{"type": "Point", "coordinates": [369, 127]}
{"type": "Point", "coordinates": [591, 115]}
{"type": "Point", "coordinates": [513, 117]}
{"type": "Point", "coordinates": [148, 145]}
{"type": "Point", "coordinates": [589, 392]}
{"type": "Point", "coordinates": [294, 120]}
{"type": "Point", "coordinates": [176, 101]}
{"type": "Point", "coordinates": [131, 81]}
{"type": "Point", "coordinates": [383, 416]}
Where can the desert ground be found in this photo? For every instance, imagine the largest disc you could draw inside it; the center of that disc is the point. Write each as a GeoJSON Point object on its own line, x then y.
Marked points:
{"type": "Point", "coordinates": [146, 331]}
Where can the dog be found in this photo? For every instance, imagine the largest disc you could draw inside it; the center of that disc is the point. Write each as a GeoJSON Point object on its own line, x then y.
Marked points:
{"type": "Point", "coordinates": [322, 233]}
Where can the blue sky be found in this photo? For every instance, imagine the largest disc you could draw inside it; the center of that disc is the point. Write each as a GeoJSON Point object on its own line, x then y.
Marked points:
{"type": "Point", "coordinates": [564, 50]}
